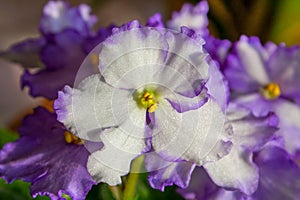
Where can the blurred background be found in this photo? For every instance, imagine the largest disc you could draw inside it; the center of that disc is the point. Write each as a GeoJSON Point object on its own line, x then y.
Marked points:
{"type": "Point", "coordinates": [275, 20]}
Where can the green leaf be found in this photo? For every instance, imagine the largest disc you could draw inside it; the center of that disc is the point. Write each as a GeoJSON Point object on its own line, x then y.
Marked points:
{"type": "Point", "coordinates": [7, 136]}
{"type": "Point", "coordinates": [145, 192]}
{"type": "Point", "coordinates": [18, 190]}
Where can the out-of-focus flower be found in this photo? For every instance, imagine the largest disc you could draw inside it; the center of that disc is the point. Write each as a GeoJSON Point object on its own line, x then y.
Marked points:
{"type": "Point", "coordinates": [49, 157]}
{"type": "Point", "coordinates": [67, 37]}
{"type": "Point", "coordinates": [155, 91]}
{"type": "Point", "coordinates": [265, 79]}
{"type": "Point", "coordinates": [59, 15]}
{"type": "Point", "coordinates": [193, 17]}
{"type": "Point", "coordinates": [235, 170]}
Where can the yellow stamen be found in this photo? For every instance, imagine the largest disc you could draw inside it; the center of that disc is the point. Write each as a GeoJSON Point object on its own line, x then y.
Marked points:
{"type": "Point", "coordinates": [147, 100]}
{"type": "Point", "coordinates": [72, 139]}
{"type": "Point", "coordinates": [152, 108]}
{"type": "Point", "coordinates": [271, 91]}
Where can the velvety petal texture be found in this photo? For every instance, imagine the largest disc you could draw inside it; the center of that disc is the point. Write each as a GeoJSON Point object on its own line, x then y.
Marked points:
{"type": "Point", "coordinates": [42, 156]}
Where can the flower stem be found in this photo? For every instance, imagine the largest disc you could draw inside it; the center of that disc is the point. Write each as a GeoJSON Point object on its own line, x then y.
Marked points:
{"type": "Point", "coordinates": [130, 187]}
{"type": "Point", "coordinates": [116, 192]}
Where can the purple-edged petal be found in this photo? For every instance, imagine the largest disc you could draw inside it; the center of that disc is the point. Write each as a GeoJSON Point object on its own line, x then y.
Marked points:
{"type": "Point", "coordinates": [284, 70]}
{"type": "Point", "coordinates": [194, 17]}
{"type": "Point", "coordinates": [279, 175]}
{"type": "Point", "coordinates": [163, 173]}
{"type": "Point", "coordinates": [186, 63]}
{"type": "Point", "coordinates": [203, 188]}
{"type": "Point", "coordinates": [124, 65]}
{"type": "Point", "coordinates": [190, 135]}
{"type": "Point", "coordinates": [96, 111]}
{"type": "Point", "coordinates": [258, 105]}
{"type": "Point", "coordinates": [93, 40]}
{"type": "Point", "coordinates": [251, 132]}
{"type": "Point", "coordinates": [182, 103]}
{"type": "Point", "coordinates": [217, 86]}
{"type": "Point", "coordinates": [236, 170]}
{"type": "Point", "coordinates": [41, 156]}
{"type": "Point", "coordinates": [174, 61]}
{"type": "Point", "coordinates": [58, 15]}
{"type": "Point", "coordinates": [288, 114]}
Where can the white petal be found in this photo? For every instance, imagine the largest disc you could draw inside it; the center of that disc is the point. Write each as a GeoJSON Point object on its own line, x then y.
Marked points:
{"type": "Point", "coordinates": [250, 131]}
{"type": "Point", "coordinates": [109, 164]}
{"type": "Point", "coordinates": [163, 173]}
{"type": "Point", "coordinates": [187, 59]}
{"type": "Point", "coordinates": [194, 135]}
{"type": "Point", "coordinates": [130, 136]}
{"type": "Point", "coordinates": [234, 170]}
{"type": "Point", "coordinates": [289, 127]}
{"type": "Point", "coordinates": [96, 107]}
{"type": "Point", "coordinates": [125, 52]}
{"type": "Point", "coordinates": [252, 62]}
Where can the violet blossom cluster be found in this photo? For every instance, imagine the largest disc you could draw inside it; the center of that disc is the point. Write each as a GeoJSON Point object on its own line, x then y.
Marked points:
{"type": "Point", "coordinates": [218, 119]}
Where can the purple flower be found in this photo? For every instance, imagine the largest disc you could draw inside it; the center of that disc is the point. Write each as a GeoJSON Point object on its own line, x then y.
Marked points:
{"type": "Point", "coordinates": [59, 15]}
{"type": "Point", "coordinates": [265, 79]}
{"type": "Point", "coordinates": [43, 157]}
{"type": "Point", "coordinates": [145, 98]}
{"type": "Point", "coordinates": [67, 38]}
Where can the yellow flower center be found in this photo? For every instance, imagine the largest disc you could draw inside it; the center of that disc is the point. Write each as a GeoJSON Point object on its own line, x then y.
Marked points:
{"type": "Point", "coordinates": [271, 91]}
{"type": "Point", "coordinates": [72, 139]}
{"type": "Point", "coordinates": [147, 100]}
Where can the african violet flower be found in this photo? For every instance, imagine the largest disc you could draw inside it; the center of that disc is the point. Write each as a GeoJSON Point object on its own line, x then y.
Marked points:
{"type": "Point", "coordinates": [67, 37]}
{"type": "Point", "coordinates": [235, 170]}
{"type": "Point", "coordinates": [264, 79]}
{"type": "Point", "coordinates": [272, 163]}
{"type": "Point", "coordinates": [49, 157]}
{"type": "Point", "coordinates": [155, 93]}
